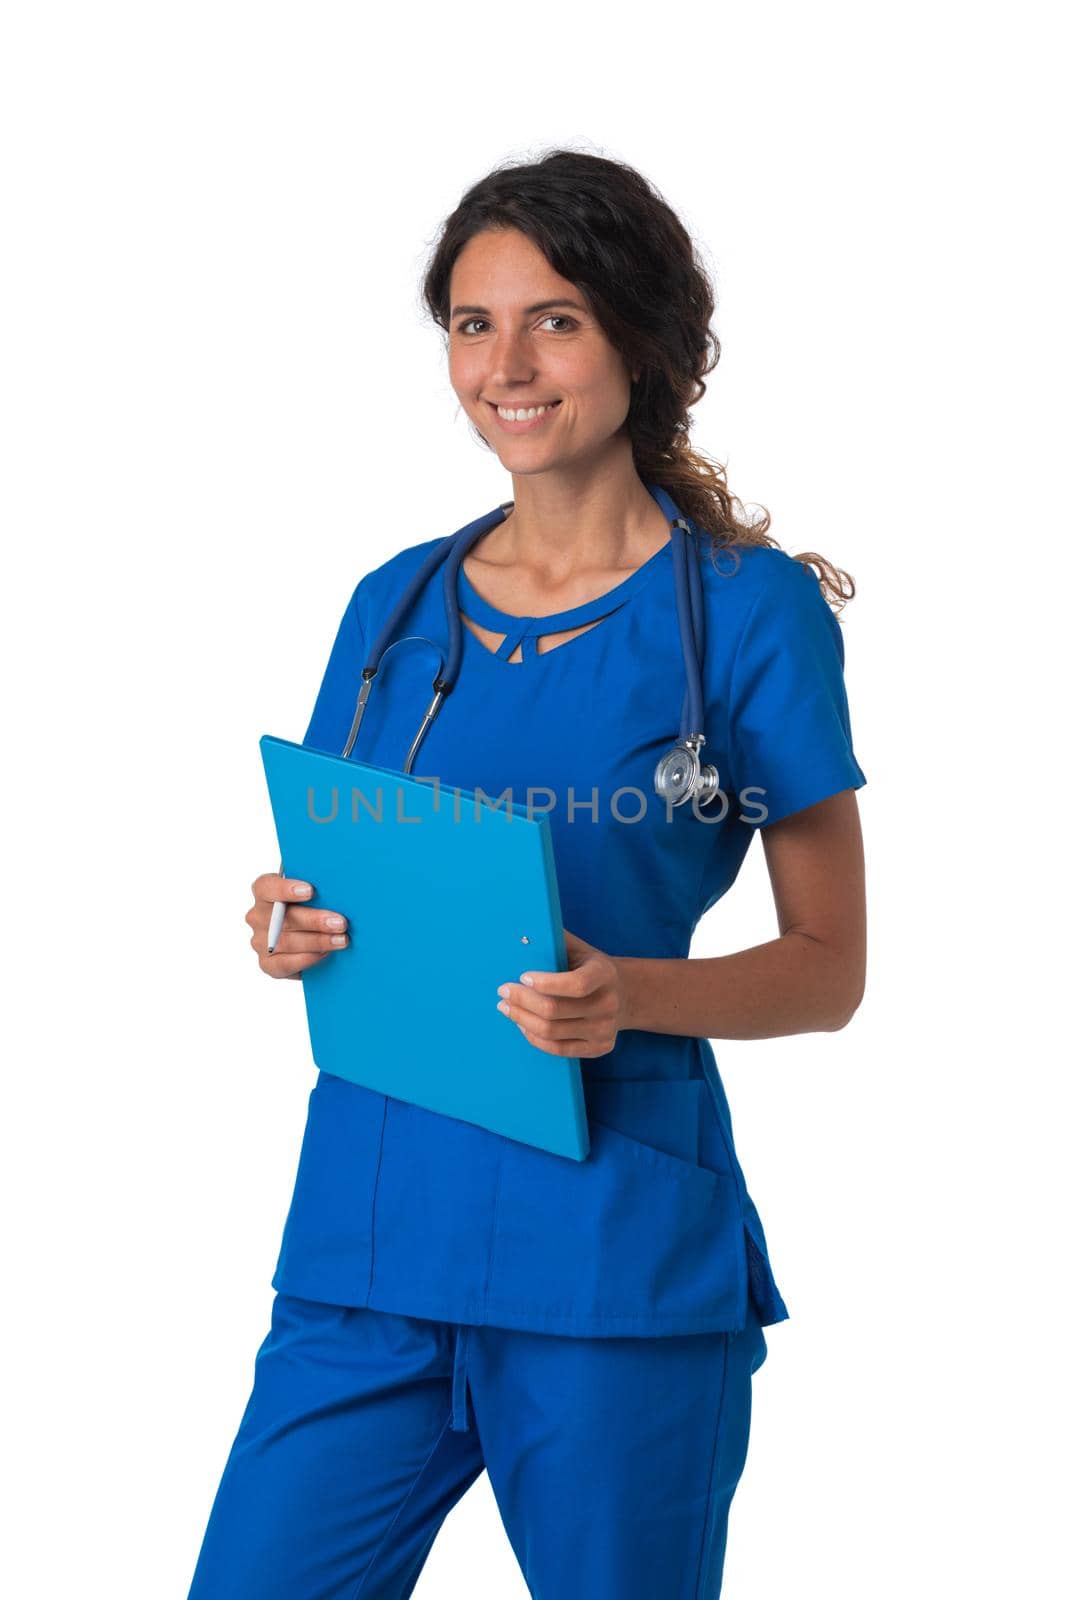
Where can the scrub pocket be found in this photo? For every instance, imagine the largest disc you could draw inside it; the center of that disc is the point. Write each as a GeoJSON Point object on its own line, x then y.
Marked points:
{"type": "Point", "coordinates": [640, 1237]}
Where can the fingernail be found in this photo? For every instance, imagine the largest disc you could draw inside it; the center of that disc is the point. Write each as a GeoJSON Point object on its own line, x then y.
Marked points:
{"type": "Point", "coordinates": [503, 1006]}
{"type": "Point", "coordinates": [335, 922]}
{"type": "Point", "coordinates": [300, 888]}
{"type": "Point", "coordinates": [527, 979]}
{"type": "Point", "coordinates": [338, 938]}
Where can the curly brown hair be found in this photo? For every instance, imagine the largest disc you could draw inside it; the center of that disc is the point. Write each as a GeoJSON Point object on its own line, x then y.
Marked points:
{"type": "Point", "coordinates": [605, 228]}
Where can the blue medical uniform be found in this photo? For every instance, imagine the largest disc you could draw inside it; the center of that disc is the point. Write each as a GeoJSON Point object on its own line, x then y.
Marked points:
{"type": "Point", "coordinates": [605, 1316]}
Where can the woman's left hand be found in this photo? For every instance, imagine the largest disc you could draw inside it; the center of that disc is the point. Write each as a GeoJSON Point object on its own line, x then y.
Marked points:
{"type": "Point", "coordinates": [574, 1013]}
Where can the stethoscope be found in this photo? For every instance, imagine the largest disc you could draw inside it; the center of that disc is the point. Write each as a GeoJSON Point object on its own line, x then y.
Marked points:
{"type": "Point", "coordinates": [681, 775]}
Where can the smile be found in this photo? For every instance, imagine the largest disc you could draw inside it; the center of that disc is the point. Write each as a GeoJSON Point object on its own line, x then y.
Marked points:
{"type": "Point", "coordinates": [521, 419]}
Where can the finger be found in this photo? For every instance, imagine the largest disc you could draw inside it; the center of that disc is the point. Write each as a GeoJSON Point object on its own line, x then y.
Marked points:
{"type": "Point", "coordinates": [308, 919]}
{"type": "Point", "coordinates": [595, 1002]}
{"type": "Point", "coordinates": [279, 966]}
{"type": "Point", "coordinates": [564, 1028]}
{"type": "Point", "coordinates": [581, 980]}
{"type": "Point", "coordinates": [528, 1007]}
{"type": "Point", "coordinates": [292, 943]}
{"type": "Point", "coordinates": [272, 886]}
{"type": "Point", "coordinates": [564, 1047]}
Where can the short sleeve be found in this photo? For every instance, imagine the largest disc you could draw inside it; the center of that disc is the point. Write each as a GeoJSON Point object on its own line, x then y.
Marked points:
{"type": "Point", "coordinates": [790, 736]}
{"type": "Point", "coordinates": [335, 705]}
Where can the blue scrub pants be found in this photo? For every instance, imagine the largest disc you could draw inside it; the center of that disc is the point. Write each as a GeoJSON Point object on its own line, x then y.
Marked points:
{"type": "Point", "coordinates": [613, 1460]}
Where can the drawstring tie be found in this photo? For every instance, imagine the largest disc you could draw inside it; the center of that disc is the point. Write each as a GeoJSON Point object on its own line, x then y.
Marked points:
{"type": "Point", "coordinates": [459, 1422]}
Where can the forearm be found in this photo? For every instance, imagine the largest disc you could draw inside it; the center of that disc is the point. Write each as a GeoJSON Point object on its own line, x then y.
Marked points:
{"type": "Point", "coordinates": [793, 984]}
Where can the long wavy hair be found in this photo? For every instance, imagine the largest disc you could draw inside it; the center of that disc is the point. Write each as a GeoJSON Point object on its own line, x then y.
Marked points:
{"type": "Point", "coordinates": [604, 227]}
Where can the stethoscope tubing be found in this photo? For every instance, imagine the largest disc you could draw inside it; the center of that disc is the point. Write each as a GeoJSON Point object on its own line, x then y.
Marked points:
{"type": "Point", "coordinates": [687, 589]}
{"type": "Point", "coordinates": [451, 553]}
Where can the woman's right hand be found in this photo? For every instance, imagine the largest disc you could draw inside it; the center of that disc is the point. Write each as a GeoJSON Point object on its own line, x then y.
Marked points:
{"type": "Point", "coordinates": [308, 932]}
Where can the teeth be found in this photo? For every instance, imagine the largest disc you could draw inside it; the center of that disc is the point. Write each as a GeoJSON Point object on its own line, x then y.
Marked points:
{"type": "Point", "coordinates": [523, 415]}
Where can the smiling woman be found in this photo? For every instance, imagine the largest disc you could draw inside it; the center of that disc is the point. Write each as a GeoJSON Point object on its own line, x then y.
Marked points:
{"type": "Point", "coordinates": [447, 1300]}
{"type": "Point", "coordinates": [533, 363]}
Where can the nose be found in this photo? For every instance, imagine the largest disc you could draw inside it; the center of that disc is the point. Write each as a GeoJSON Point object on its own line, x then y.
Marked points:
{"type": "Point", "coordinates": [512, 362]}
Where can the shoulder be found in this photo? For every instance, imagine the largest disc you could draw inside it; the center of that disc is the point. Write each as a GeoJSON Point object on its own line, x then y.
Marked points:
{"type": "Point", "coordinates": [741, 574]}
{"type": "Point", "coordinates": [759, 589]}
{"type": "Point", "coordinates": [379, 588]}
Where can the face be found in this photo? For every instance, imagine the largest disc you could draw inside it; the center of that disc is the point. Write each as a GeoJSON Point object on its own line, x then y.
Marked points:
{"type": "Point", "coordinates": [521, 337]}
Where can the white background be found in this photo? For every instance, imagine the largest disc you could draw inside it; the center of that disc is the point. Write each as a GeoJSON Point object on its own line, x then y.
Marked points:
{"type": "Point", "coordinates": [222, 404]}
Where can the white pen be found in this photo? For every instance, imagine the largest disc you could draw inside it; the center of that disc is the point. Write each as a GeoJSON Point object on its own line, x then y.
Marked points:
{"type": "Point", "coordinates": [277, 917]}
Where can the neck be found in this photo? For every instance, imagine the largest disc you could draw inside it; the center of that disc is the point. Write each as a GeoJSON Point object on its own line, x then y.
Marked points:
{"type": "Point", "coordinates": [570, 519]}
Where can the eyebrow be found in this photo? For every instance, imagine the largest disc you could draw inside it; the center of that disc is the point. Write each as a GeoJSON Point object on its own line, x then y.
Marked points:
{"type": "Point", "coordinates": [542, 305]}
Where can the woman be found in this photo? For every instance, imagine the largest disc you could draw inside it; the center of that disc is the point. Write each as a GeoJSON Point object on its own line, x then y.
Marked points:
{"type": "Point", "coordinates": [449, 1300]}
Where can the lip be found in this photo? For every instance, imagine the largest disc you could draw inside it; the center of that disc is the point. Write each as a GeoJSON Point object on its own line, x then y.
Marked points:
{"type": "Point", "coordinates": [522, 427]}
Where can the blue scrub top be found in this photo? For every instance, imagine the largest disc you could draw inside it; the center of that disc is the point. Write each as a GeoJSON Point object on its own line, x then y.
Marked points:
{"type": "Point", "coordinates": [403, 1209]}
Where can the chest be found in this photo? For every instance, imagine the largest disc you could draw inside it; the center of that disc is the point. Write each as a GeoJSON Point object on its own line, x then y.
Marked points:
{"type": "Point", "coordinates": [575, 735]}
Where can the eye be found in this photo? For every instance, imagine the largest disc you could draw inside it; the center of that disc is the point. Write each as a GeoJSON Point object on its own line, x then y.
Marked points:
{"type": "Point", "coordinates": [553, 316]}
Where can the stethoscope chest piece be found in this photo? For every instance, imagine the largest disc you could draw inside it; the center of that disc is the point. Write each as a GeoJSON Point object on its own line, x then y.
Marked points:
{"type": "Point", "coordinates": [681, 775]}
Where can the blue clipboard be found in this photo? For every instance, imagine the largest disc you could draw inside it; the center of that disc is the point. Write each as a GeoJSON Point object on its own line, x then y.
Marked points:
{"type": "Point", "coordinates": [447, 895]}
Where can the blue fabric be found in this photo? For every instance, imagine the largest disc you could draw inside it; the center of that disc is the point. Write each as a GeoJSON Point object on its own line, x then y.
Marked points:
{"type": "Point", "coordinates": [400, 1209]}
{"type": "Point", "coordinates": [613, 1461]}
